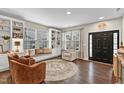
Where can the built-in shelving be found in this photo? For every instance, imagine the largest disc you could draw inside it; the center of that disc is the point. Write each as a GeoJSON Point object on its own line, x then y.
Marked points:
{"type": "Point", "coordinates": [55, 38]}
{"type": "Point", "coordinates": [4, 32]}
{"type": "Point", "coordinates": [17, 30]}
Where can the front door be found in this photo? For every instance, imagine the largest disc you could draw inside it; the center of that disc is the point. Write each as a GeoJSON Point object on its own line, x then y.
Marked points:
{"type": "Point", "coordinates": [102, 46]}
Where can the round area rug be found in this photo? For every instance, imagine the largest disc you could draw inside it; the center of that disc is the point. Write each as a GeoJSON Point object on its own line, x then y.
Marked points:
{"type": "Point", "coordinates": [57, 69]}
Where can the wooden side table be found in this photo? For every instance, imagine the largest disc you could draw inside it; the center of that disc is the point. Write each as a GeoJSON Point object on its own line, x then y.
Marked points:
{"type": "Point", "coordinates": [120, 68]}
{"type": "Point", "coordinates": [121, 64]}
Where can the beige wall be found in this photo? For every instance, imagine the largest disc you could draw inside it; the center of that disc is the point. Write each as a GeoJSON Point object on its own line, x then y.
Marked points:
{"type": "Point", "coordinates": [86, 29]}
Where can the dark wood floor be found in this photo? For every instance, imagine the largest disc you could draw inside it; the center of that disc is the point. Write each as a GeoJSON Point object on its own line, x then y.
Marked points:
{"type": "Point", "coordinates": [89, 73]}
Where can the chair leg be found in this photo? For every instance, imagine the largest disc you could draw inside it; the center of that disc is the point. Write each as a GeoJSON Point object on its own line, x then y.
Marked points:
{"type": "Point", "coordinates": [43, 82]}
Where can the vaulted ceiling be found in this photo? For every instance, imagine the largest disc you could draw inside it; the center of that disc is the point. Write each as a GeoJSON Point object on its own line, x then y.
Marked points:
{"type": "Point", "coordinates": [58, 17]}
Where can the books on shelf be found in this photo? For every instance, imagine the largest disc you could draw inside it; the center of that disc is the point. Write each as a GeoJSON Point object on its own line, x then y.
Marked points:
{"type": "Point", "coordinates": [17, 29]}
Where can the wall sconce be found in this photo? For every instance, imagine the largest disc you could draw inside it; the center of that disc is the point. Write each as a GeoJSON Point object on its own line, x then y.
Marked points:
{"type": "Point", "coordinates": [17, 44]}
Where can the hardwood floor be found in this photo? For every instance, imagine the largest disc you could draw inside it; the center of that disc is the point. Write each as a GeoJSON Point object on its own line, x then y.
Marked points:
{"type": "Point", "coordinates": [89, 73]}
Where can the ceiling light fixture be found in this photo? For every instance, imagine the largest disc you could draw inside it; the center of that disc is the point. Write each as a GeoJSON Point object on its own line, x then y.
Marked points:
{"type": "Point", "coordinates": [68, 13]}
{"type": "Point", "coordinates": [118, 9]}
{"type": "Point", "coordinates": [101, 17]}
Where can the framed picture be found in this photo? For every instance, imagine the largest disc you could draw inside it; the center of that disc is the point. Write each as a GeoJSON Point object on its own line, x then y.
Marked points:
{"type": "Point", "coordinates": [1, 48]}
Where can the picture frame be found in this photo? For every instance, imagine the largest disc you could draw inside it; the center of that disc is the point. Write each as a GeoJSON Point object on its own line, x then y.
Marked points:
{"type": "Point", "coordinates": [1, 48]}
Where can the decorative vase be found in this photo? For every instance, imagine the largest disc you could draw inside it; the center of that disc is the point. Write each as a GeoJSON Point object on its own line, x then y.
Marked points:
{"type": "Point", "coordinates": [5, 41]}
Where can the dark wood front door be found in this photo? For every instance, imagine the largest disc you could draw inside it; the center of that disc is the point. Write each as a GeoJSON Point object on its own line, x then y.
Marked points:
{"type": "Point", "coordinates": [102, 46]}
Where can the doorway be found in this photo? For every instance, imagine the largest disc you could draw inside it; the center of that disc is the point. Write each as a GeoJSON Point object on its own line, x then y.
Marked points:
{"type": "Point", "coordinates": [102, 45]}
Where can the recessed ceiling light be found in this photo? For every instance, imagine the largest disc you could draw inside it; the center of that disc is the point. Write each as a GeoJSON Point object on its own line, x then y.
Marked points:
{"type": "Point", "coordinates": [118, 9]}
{"type": "Point", "coordinates": [101, 17]}
{"type": "Point", "coordinates": [68, 13]}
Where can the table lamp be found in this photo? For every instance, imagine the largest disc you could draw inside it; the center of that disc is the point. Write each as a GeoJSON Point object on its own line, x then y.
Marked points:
{"type": "Point", "coordinates": [17, 44]}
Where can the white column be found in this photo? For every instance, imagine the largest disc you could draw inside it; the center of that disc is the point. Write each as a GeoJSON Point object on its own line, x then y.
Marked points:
{"type": "Point", "coordinates": [122, 32]}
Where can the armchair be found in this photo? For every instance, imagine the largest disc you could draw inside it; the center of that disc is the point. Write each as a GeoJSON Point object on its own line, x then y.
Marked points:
{"type": "Point", "coordinates": [27, 74]}
{"type": "Point", "coordinates": [69, 55]}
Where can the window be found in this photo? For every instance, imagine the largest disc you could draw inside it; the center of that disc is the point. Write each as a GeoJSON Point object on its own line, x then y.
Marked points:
{"type": "Point", "coordinates": [90, 43]}
{"type": "Point", "coordinates": [115, 42]}
{"type": "Point", "coordinates": [63, 41]}
{"type": "Point", "coordinates": [29, 38]}
{"type": "Point", "coordinates": [4, 31]}
{"type": "Point", "coordinates": [71, 39]}
{"type": "Point", "coordinates": [68, 39]}
{"type": "Point", "coordinates": [76, 40]}
{"type": "Point", "coordinates": [42, 38]}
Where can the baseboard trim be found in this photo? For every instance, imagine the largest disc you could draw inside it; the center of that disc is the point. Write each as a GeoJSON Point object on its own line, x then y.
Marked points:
{"type": "Point", "coordinates": [101, 63]}
{"type": "Point", "coordinates": [95, 62]}
{"type": "Point", "coordinates": [5, 69]}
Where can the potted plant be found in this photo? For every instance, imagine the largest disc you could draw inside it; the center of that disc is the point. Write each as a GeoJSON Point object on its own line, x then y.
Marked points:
{"type": "Point", "coordinates": [6, 38]}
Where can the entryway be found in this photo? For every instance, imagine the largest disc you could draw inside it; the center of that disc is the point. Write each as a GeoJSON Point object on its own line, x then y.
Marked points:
{"type": "Point", "coordinates": [102, 45]}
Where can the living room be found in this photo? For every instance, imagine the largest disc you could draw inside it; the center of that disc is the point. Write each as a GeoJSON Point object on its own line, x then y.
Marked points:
{"type": "Point", "coordinates": [61, 45]}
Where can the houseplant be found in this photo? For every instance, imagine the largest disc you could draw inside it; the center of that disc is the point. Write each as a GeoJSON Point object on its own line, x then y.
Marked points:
{"type": "Point", "coordinates": [6, 38]}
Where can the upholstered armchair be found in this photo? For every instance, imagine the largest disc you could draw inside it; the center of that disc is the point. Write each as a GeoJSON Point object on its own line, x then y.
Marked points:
{"type": "Point", "coordinates": [24, 70]}
{"type": "Point", "coordinates": [69, 54]}
{"type": "Point", "coordinates": [25, 74]}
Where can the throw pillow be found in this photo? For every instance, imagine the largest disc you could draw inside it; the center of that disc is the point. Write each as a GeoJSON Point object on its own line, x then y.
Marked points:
{"type": "Point", "coordinates": [31, 52]}
{"type": "Point", "coordinates": [47, 50]}
{"type": "Point", "coordinates": [27, 61]}
{"type": "Point", "coordinates": [24, 61]}
{"type": "Point", "coordinates": [15, 55]}
{"type": "Point", "coordinates": [38, 51]}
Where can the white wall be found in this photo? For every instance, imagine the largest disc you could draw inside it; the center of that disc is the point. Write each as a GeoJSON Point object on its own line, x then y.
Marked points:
{"type": "Point", "coordinates": [36, 26]}
{"type": "Point", "coordinates": [123, 30]}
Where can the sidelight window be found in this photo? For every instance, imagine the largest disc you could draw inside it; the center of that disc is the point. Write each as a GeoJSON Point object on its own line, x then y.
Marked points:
{"type": "Point", "coordinates": [115, 42]}
{"type": "Point", "coordinates": [90, 41]}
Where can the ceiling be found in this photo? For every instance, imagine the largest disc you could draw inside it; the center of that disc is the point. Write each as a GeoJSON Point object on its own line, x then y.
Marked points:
{"type": "Point", "coordinates": [57, 17]}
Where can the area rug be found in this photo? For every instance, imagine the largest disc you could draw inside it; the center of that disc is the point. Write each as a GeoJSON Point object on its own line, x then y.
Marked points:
{"type": "Point", "coordinates": [58, 69]}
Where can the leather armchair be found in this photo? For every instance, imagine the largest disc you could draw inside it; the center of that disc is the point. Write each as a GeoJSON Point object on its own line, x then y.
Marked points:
{"type": "Point", "coordinates": [27, 74]}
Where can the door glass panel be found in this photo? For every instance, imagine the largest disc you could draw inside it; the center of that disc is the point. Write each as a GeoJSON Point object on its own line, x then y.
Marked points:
{"type": "Point", "coordinates": [115, 42]}
{"type": "Point", "coordinates": [115, 46]}
{"type": "Point", "coordinates": [115, 51]}
{"type": "Point", "coordinates": [115, 35]}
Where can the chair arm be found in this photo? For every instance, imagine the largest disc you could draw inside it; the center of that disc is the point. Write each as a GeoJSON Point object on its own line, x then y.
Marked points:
{"type": "Point", "coordinates": [38, 71]}
{"type": "Point", "coordinates": [37, 65]}
{"type": "Point", "coordinates": [65, 52]}
{"type": "Point", "coordinates": [74, 54]}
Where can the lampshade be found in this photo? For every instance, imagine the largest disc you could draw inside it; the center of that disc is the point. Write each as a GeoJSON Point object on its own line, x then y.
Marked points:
{"type": "Point", "coordinates": [17, 43]}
